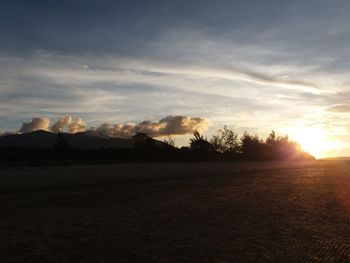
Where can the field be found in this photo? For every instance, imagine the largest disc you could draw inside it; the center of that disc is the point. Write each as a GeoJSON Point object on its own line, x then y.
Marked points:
{"type": "Point", "coordinates": [177, 212]}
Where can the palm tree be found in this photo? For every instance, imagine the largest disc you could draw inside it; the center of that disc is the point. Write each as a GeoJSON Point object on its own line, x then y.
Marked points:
{"type": "Point", "coordinates": [199, 143]}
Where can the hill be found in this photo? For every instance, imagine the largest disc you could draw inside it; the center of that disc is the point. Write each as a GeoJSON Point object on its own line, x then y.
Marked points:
{"type": "Point", "coordinates": [83, 140]}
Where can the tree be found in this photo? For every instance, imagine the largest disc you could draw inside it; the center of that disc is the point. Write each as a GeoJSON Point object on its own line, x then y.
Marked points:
{"type": "Point", "coordinates": [226, 141]}
{"type": "Point", "coordinates": [144, 143]}
{"type": "Point", "coordinates": [271, 139]}
{"type": "Point", "coordinates": [199, 143]}
{"type": "Point", "coordinates": [280, 147]}
{"type": "Point", "coordinates": [170, 141]}
{"type": "Point", "coordinates": [252, 147]}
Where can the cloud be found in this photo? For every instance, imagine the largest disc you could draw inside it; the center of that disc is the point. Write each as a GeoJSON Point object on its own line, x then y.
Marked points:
{"type": "Point", "coordinates": [115, 130]}
{"type": "Point", "coordinates": [124, 70]}
{"type": "Point", "coordinates": [43, 123]}
{"type": "Point", "coordinates": [73, 126]}
{"type": "Point", "coordinates": [61, 123]}
{"type": "Point", "coordinates": [37, 123]}
{"type": "Point", "coordinates": [78, 125]}
{"type": "Point", "coordinates": [170, 125]}
{"type": "Point", "coordinates": [339, 108]}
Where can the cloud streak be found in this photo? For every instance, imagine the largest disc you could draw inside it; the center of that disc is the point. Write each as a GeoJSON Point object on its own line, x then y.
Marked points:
{"type": "Point", "coordinates": [154, 72]}
{"type": "Point", "coordinates": [339, 108]}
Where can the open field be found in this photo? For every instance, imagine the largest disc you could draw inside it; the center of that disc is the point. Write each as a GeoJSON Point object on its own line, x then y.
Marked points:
{"type": "Point", "coordinates": [178, 212]}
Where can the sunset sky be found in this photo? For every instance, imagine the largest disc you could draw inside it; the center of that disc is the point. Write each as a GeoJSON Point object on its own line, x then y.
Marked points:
{"type": "Point", "coordinates": [250, 65]}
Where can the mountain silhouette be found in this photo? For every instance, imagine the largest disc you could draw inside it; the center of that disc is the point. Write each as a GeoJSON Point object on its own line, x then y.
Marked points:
{"type": "Point", "coordinates": [82, 140]}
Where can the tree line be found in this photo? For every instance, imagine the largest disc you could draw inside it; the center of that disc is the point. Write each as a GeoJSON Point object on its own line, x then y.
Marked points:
{"type": "Point", "coordinates": [225, 145]}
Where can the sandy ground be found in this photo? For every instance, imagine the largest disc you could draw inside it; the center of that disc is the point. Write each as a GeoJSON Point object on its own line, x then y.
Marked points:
{"type": "Point", "coordinates": [180, 212]}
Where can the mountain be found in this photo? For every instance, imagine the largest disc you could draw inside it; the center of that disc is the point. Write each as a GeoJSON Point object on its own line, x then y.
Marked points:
{"type": "Point", "coordinates": [83, 140]}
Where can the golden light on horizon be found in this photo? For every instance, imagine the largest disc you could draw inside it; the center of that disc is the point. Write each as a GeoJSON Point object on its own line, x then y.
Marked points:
{"type": "Point", "coordinates": [315, 141]}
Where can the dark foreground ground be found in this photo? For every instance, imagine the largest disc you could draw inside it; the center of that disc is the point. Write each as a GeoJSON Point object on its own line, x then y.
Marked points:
{"type": "Point", "coordinates": [193, 212]}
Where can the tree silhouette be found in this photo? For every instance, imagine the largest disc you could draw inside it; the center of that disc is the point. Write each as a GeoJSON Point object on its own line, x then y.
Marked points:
{"type": "Point", "coordinates": [169, 141]}
{"type": "Point", "coordinates": [225, 145]}
{"type": "Point", "coordinates": [281, 147]}
{"type": "Point", "coordinates": [271, 139]}
{"type": "Point", "coordinates": [144, 143]}
{"type": "Point", "coordinates": [226, 141]}
{"type": "Point", "coordinates": [251, 146]}
{"type": "Point", "coordinates": [199, 143]}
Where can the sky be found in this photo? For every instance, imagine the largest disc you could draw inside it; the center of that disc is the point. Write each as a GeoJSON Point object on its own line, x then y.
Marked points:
{"type": "Point", "coordinates": [250, 65]}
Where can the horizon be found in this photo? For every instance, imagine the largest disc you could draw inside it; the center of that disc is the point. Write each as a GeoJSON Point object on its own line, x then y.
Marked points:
{"type": "Point", "coordinates": [122, 66]}
{"type": "Point", "coordinates": [97, 132]}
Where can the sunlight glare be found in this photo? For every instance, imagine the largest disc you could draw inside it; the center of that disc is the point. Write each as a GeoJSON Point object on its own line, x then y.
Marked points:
{"type": "Point", "coordinates": [315, 141]}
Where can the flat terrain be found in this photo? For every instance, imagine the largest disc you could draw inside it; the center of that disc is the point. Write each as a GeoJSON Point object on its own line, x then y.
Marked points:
{"type": "Point", "coordinates": [178, 212]}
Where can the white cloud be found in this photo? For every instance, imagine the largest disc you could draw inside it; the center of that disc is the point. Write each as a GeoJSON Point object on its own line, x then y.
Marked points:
{"type": "Point", "coordinates": [61, 123]}
{"type": "Point", "coordinates": [170, 125]}
{"type": "Point", "coordinates": [37, 123]}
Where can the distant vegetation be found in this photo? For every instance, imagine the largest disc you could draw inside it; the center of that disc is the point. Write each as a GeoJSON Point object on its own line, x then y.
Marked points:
{"type": "Point", "coordinates": [225, 145]}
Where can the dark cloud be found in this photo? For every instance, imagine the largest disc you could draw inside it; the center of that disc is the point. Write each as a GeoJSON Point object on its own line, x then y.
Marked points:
{"type": "Point", "coordinates": [81, 25]}
{"type": "Point", "coordinates": [133, 27]}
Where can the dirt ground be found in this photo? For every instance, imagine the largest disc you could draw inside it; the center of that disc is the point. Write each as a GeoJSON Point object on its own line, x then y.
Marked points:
{"type": "Point", "coordinates": [178, 212]}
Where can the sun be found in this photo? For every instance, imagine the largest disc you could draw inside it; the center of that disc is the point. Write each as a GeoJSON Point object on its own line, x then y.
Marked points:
{"type": "Point", "coordinates": [315, 141]}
